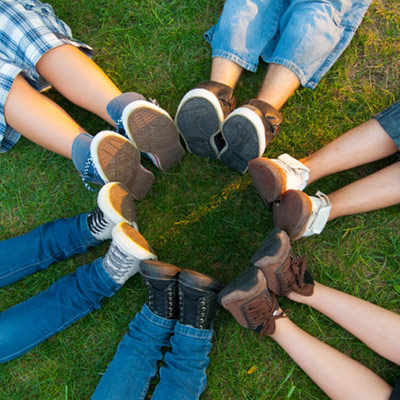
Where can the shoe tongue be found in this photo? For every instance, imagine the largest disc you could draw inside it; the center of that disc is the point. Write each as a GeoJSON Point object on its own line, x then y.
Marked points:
{"type": "Point", "coordinates": [308, 279]}
{"type": "Point", "coordinates": [221, 90]}
{"type": "Point", "coordinates": [116, 106]}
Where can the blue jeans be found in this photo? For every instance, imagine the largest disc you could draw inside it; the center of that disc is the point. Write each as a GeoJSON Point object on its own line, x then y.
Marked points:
{"type": "Point", "coordinates": [38, 249]}
{"type": "Point", "coordinates": [136, 361]}
{"type": "Point", "coordinates": [29, 323]}
{"type": "Point", "coordinates": [305, 36]}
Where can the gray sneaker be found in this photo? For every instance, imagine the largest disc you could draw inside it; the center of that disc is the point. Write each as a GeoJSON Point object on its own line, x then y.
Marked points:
{"type": "Point", "coordinates": [247, 131]}
{"type": "Point", "coordinates": [199, 117]}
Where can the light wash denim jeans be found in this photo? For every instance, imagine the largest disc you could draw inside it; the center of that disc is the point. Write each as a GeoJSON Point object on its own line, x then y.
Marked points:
{"type": "Point", "coordinates": [304, 35]}
{"type": "Point", "coordinates": [29, 323]}
{"type": "Point", "coordinates": [135, 363]}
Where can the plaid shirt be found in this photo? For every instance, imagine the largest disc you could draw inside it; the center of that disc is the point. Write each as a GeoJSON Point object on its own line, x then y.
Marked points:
{"type": "Point", "coordinates": [28, 29]}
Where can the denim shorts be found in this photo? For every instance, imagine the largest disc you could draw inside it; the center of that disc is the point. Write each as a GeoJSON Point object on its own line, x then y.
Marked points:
{"type": "Point", "coordinates": [28, 29]}
{"type": "Point", "coordinates": [305, 36]}
{"type": "Point", "coordinates": [396, 391]}
{"type": "Point", "coordinates": [389, 119]}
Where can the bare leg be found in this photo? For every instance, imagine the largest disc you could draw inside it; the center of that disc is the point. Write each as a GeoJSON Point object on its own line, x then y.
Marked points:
{"type": "Point", "coordinates": [39, 119]}
{"type": "Point", "coordinates": [339, 376]}
{"type": "Point", "coordinates": [365, 143]}
{"type": "Point", "coordinates": [373, 192]}
{"type": "Point", "coordinates": [225, 71]}
{"type": "Point", "coordinates": [378, 328]}
{"type": "Point", "coordinates": [279, 84]}
{"type": "Point", "coordinates": [79, 79]}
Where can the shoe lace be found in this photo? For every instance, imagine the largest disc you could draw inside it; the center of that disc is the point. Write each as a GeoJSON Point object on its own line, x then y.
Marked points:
{"type": "Point", "coordinates": [296, 265]}
{"type": "Point", "coordinates": [260, 313]}
{"type": "Point", "coordinates": [154, 101]}
{"type": "Point", "coordinates": [119, 127]}
{"type": "Point", "coordinates": [229, 104]}
{"type": "Point", "coordinates": [85, 180]}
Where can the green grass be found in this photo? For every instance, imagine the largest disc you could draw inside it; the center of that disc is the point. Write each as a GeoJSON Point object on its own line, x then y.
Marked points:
{"type": "Point", "coordinates": [201, 215]}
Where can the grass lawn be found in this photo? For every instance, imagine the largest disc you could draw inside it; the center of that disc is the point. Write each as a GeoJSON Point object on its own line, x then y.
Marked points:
{"type": "Point", "coordinates": [201, 215]}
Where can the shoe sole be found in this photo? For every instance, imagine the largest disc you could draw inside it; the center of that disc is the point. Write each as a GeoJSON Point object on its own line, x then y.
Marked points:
{"type": "Point", "coordinates": [268, 179]}
{"type": "Point", "coordinates": [117, 204]}
{"type": "Point", "coordinates": [244, 134]}
{"type": "Point", "coordinates": [198, 281]}
{"type": "Point", "coordinates": [270, 256]}
{"type": "Point", "coordinates": [242, 290]}
{"type": "Point", "coordinates": [153, 131]}
{"type": "Point", "coordinates": [132, 242]}
{"type": "Point", "coordinates": [160, 270]}
{"type": "Point", "coordinates": [199, 119]}
{"type": "Point", "coordinates": [117, 160]}
{"type": "Point", "coordinates": [292, 212]}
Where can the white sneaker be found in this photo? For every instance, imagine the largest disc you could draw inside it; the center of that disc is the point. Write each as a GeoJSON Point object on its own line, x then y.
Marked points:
{"type": "Point", "coordinates": [273, 177]}
{"type": "Point", "coordinates": [301, 215]}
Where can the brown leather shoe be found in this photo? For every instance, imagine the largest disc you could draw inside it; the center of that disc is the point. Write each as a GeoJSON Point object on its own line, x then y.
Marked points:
{"type": "Point", "coordinates": [284, 271]}
{"type": "Point", "coordinates": [273, 177]}
{"type": "Point", "coordinates": [301, 215]}
{"type": "Point", "coordinates": [250, 302]}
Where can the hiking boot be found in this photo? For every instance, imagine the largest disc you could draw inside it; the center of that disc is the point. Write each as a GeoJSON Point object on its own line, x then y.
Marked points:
{"type": "Point", "coordinates": [115, 205]}
{"type": "Point", "coordinates": [273, 177]}
{"type": "Point", "coordinates": [162, 287]}
{"type": "Point", "coordinates": [116, 160]}
{"type": "Point", "coordinates": [250, 302]}
{"type": "Point", "coordinates": [301, 215]}
{"type": "Point", "coordinates": [247, 131]}
{"type": "Point", "coordinates": [284, 271]}
{"type": "Point", "coordinates": [198, 303]}
{"type": "Point", "coordinates": [148, 127]}
{"type": "Point", "coordinates": [127, 248]}
{"type": "Point", "coordinates": [199, 117]}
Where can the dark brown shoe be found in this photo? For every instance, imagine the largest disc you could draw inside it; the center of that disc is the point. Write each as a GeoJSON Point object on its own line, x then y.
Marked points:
{"type": "Point", "coordinates": [301, 215]}
{"type": "Point", "coordinates": [284, 271]}
{"type": "Point", "coordinates": [250, 302]}
{"type": "Point", "coordinates": [199, 117]}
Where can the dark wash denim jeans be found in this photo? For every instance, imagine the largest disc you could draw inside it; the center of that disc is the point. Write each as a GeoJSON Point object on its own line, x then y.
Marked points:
{"type": "Point", "coordinates": [29, 323]}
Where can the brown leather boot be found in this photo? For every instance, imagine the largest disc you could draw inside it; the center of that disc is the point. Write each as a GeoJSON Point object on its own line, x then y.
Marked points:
{"type": "Point", "coordinates": [250, 302]}
{"type": "Point", "coordinates": [285, 272]}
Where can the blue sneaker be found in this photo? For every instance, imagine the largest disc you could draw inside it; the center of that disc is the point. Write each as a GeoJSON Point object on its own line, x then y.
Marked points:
{"type": "Point", "coordinates": [113, 158]}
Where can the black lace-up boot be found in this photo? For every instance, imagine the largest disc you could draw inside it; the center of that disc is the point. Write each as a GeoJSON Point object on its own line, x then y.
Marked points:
{"type": "Point", "coordinates": [162, 285]}
{"type": "Point", "coordinates": [198, 303]}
